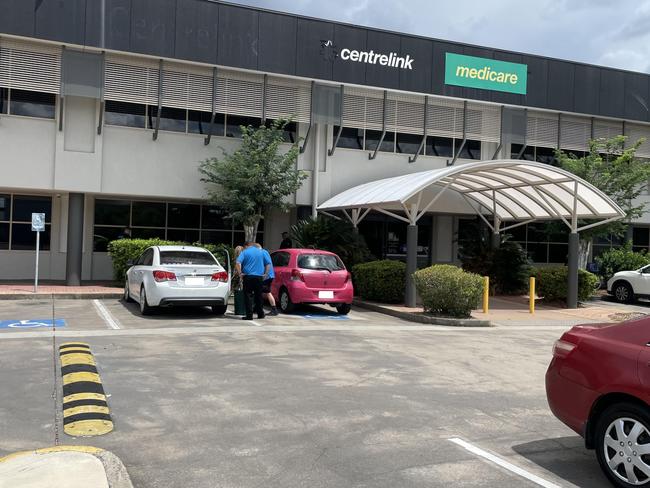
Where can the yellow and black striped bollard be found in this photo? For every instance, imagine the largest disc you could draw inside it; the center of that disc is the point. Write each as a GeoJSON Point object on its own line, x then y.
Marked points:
{"type": "Point", "coordinates": [85, 409]}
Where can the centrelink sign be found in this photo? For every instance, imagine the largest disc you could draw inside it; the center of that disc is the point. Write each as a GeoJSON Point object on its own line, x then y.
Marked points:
{"type": "Point", "coordinates": [392, 60]}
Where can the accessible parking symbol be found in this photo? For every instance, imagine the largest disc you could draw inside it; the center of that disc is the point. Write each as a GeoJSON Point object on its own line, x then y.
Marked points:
{"type": "Point", "coordinates": [31, 323]}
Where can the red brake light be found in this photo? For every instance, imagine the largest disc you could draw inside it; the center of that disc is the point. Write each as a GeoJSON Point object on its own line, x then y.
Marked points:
{"type": "Point", "coordinates": [348, 277]}
{"type": "Point", "coordinates": [296, 275]}
{"type": "Point", "coordinates": [562, 349]}
{"type": "Point", "coordinates": [220, 276]}
{"type": "Point", "coordinates": [160, 276]}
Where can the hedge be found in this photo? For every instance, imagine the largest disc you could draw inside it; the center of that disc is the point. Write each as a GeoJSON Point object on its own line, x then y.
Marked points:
{"type": "Point", "coordinates": [381, 281]}
{"type": "Point", "coordinates": [124, 250]}
{"type": "Point", "coordinates": [449, 291]}
{"type": "Point", "coordinates": [551, 283]}
{"type": "Point", "coordinates": [621, 259]}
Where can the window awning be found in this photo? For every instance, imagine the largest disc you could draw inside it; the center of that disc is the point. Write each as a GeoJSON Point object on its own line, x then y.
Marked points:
{"type": "Point", "coordinates": [509, 190]}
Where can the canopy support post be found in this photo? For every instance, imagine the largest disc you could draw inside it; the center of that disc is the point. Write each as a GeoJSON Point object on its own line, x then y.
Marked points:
{"type": "Point", "coordinates": [414, 158]}
{"type": "Point", "coordinates": [410, 295]}
{"type": "Point", "coordinates": [373, 155]}
{"type": "Point", "coordinates": [496, 237]}
{"type": "Point", "coordinates": [572, 261]}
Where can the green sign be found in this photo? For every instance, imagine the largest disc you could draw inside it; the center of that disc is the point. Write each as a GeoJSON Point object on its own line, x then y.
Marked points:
{"type": "Point", "coordinates": [488, 74]}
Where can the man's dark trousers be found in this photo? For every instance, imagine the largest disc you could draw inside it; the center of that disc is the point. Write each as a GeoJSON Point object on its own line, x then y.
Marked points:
{"type": "Point", "coordinates": [253, 295]}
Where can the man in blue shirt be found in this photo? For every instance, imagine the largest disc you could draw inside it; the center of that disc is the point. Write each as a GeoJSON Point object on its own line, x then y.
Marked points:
{"type": "Point", "coordinates": [253, 265]}
{"type": "Point", "coordinates": [266, 284]}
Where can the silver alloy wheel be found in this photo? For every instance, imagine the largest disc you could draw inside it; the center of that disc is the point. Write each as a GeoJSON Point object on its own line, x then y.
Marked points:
{"type": "Point", "coordinates": [622, 293]}
{"type": "Point", "coordinates": [284, 300]}
{"type": "Point", "coordinates": [627, 459]}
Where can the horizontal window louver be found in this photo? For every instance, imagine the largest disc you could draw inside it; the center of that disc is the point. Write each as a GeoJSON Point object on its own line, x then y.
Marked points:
{"type": "Point", "coordinates": [483, 122]}
{"type": "Point", "coordinates": [606, 129]}
{"type": "Point", "coordinates": [541, 130]}
{"type": "Point", "coordinates": [288, 99]}
{"type": "Point", "coordinates": [575, 133]}
{"type": "Point", "coordinates": [30, 66]}
{"type": "Point", "coordinates": [187, 87]}
{"type": "Point", "coordinates": [239, 93]}
{"type": "Point", "coordinates": [131, 80]}
{"type": "Point", "coordinates": [635, 132]}
{"type": "Point", "coordinates": [445, 118]}
{"type": "Point", "coordinates": [408, 114]}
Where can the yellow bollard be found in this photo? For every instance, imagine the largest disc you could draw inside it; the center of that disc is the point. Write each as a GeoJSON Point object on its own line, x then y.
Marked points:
{"type": "Point", "coordinates": [532, 295]}
{"type": "Point", "coordinates": [486, 294]}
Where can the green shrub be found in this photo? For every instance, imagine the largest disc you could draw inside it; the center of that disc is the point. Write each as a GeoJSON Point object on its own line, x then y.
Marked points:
{"type": "Point", "coordinates": [551, 283]}
{"type": "Point", "coordinates": [382, 281]}
{"type": "Point", "coordinates": [448, 290]}
{"type": "Point", "coordinates": [124, 250]}
{"type": "Point", "coordinates": [621, 259]}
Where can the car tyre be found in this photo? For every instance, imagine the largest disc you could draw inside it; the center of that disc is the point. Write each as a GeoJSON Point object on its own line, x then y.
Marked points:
{"type": "Point", "coordinates": [286, 305]}
{"type": "Point", "coordinates": [343, 308]}
{"type": "Point", "coordinates": [127, 296]}
{"type": "Point", "coordinates": [219, 309]}
{"type": "Point", "coordinates": [623, 292]}
{"type": "Point", "coordinates": [145, 309]}
{"type": "Point", "coordinates": [623, 470]}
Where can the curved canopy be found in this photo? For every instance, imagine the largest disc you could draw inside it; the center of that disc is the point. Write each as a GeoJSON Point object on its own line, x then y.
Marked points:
{"type": "Point", "coordinates": [508, 189]}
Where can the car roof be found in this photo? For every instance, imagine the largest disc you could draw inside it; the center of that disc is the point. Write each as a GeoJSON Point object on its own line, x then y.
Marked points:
{"type": "Point", "coordinates": [182, 248]}
{"type": "Point", "coordinates": [306, 250]}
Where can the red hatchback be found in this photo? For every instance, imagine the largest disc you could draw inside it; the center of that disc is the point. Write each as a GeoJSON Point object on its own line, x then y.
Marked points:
{"type": "Point", "coordinates": [310, 276]}
{"type": "Point", "coordinates": [598, 383]}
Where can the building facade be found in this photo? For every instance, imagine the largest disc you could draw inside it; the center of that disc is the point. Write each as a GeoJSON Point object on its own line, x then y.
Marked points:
{"type": "Point", "coordinates": [107, 108]}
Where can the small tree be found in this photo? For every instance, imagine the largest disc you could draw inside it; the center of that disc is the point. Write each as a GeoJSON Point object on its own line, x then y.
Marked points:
{"type": "Point", "coordinates": [255, 178]}
{"type": "Point", "coordinates": [615, 170]}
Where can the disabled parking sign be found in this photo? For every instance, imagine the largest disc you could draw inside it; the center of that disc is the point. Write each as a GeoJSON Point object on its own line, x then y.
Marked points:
{"type": "Point", "coordinates": [31, 323]}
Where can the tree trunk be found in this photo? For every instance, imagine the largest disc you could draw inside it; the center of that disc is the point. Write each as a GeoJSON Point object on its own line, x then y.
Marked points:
{"type": "Point", "coordinates": [584, 249]}
{"type": "Point", "coordinates": [250, 231]}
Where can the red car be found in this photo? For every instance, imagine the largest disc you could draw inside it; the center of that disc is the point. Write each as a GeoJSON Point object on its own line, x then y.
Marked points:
{"type": "Point", "coordinates": [598, 383]}
{"type": "Point", "coordinates": [311, 276]}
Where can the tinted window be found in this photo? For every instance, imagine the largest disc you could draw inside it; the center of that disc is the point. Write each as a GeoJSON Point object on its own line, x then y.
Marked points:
{"type": "Point", "coordinates": [280, 259]}
{"type": "Point", "coordinates": [172, 119]}
{"type": "Point", "coordinates": [199, 123]}
{"type": "Point", "coordinates": [372, 139]}
{"type": "Point", "coordinates": [126, 114]}
{"type": "Point", "coordinates": [186, 257]}
{"type": "Point", "coordinates": [148, 214]}
{"type": "Point", "coordinates": [103, 235]}
{"type": "Point", "coordinates": [320, 261]}
{"type": "Point", "coordinates": [183, 235]}
{"type": "Point", "coordinates": [138, 233]}
{"type": "Point", "coordinates": [5, 207]}
{"type": "Point", "coordinates": [440, 146]}
{"type": "Point", "coordinates": [408, 143]}
{"type": "Point", "coordinates": [147, 259]}
{"type": "Point", "coordinates": [234, 123]}
{"type": "Point", "coordinates": [184, 215]}
{"type": "Point", "coordinates": [32, 104]}
{"type": "Point", "coordinates": [216, 237]}
{"type": "Point", "coordinates": [24, 207]}
{"type": "Point", "coordinates": [528, 154]}
{"type": "Point", "coordinates": [472, 149]}
{"type": "Point", "coordinates": [545, 155]}
{"type": "Point", "coordinates": [4, 97]}
{"type": "Point", "coordinates": [112, 212]}
{"type": "Point", "coordinates": [4, 236]}
{"type": "Point", "coordinates": [350, 138]}
{"type": "Point", "coordinates": [214, 218]}
{"type": "Point", "coordinates": [23, 238]}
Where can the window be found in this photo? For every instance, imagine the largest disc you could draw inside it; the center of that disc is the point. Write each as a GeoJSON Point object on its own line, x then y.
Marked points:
{"type": "Point", "coordinates": [350, 138]}
{"type": "Point", "coordinates": [183, 235]}
{"type": "Point", "coordinates": [144, 233]}
{"type": "Point", "coordinates": [440, 146]}
{"type": "Point", "coordinates": [183, 215]}
{"type": "Point", "coordinates": [472, 149]}
{"type": "Point", "coordinates": [528, 154]}
{"type": "Point", "coordinates": [280, 259]}
{"type": "Point", "coordinates": [16, 227]}
{"type": "Point", "coordinates": [372, 139]}
{"type": "Point", "coordinates": [112, 212]}
{"type": "Point", "coordinates": [215, 218]}
{"type": "Point", "coordinates": [32, 104]}
{"type": "Point", "coordinates": [171, 119]}
{"type": "Point", "coordinates": [5, 216]}
{"type": "Point", "coordinates": [125, 114]}
{"type": "Point", "coordinates": [103, 235]}
{"type": "Point", "coordinates": [186, 257]}
{"type": "Point", "coordinates": [545, 155]}
{"type": "Point", "coordinates": [408, 143]}
{"type": "Point", "coordinates": [640, 238]}
{"type": "Point", "coordinates": [148, 214]}
{"type": "Point", "coordinates": [199, 123]}
{"type": "Point", "coordinates": [320, 261]}
{"type": "Point", "coordinates": [545, 243]}
{"type": "Point", "coordinates": [234, 123]}
{"type": "Point", "coordinates": [4, 100]}
{"type": "Point", "coordinates": [290, 134]}
{"type": "Point", "coordinates": [25, 206]}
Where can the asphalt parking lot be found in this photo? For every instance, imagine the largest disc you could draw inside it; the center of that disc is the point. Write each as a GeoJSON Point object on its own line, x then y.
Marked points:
{"type": "Point", "coordinates": [308, 400]}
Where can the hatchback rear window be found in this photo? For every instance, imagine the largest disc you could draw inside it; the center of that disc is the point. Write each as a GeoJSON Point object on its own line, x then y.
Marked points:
{"type": "Point", "coordinates": [186, 257]}
{"type": "Point", "coordinates": [320, 261]}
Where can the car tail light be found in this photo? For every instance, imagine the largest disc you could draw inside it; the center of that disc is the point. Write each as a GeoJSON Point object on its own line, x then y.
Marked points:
{"type": "Point", "coordinates": [348, 277]}
{"type": "Point", "coordinates": [160, 276]}
{"type": "Point", "coordinates": [296, 275]}
{"type": "Point", "coordinates": [220, 276]}
{"type": "Point", "coordinates": [562, 349]}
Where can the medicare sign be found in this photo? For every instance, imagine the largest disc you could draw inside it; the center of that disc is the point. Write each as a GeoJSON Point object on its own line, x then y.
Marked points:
{"type": "Point", "coordinates": [488, 74]}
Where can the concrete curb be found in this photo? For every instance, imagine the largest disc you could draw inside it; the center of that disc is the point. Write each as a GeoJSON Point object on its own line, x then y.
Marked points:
{"type": "Point", "coordinates": [115, 472]}
{"type": "Point", "coordinates": [66, 296]}
{"type": "Point", "coordinates": [421, 318]}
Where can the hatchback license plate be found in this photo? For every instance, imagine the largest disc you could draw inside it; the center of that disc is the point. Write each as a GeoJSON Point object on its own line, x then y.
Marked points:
{"type": "Point", "coordinates": [193, 281]}
{"type": "Point", "coordinates": [325, 294]}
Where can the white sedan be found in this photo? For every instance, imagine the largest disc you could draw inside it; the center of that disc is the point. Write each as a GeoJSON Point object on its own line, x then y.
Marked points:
{"type": "Point", "coordinates": [165, 276]}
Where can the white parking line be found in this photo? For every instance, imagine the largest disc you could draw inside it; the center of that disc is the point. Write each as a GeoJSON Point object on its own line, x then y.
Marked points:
{"type": "Point", "coordinates": [503, 463]}
{"type": "Point", "coordinates": [106, 315]}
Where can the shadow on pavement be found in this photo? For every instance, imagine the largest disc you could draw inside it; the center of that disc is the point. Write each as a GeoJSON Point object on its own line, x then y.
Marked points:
{"type": "Point", "coordinates": [173, 313]}
{"type": "Point", "coordinates": [567, 458]}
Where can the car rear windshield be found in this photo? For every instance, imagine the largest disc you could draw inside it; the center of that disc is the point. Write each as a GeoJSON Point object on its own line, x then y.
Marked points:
{"type": "Point", "coordinates": [186, 257]}
{"type": "Point", "coordinates": [320, 261]}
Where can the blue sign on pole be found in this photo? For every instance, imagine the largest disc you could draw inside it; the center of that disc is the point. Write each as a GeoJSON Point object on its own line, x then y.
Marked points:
{"type": "Point", "coordinates": [31, 323]}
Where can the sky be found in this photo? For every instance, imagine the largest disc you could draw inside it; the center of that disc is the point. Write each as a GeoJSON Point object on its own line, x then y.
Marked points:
{"type": "Point", "coordinates": [602, 32]}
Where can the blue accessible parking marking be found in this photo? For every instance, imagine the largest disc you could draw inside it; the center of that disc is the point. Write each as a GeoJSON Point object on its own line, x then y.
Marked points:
{"type": "Point", "coordinates": [325, 316]}
{"type": "Point", "coordinates": [31, 323]}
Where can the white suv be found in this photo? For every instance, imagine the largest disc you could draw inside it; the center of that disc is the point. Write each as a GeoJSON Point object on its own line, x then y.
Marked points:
{"type": "Point", "coordinates": [626, 286]}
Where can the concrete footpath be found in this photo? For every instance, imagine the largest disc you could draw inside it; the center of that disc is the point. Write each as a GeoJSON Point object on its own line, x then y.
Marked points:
{"type": "Point", "coordinates": [63, 467]}
{"type": "Point", "coordinates": [25, 291]}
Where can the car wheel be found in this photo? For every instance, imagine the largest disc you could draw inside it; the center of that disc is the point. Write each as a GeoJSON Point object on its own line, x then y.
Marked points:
{"type": "Point", "coordinates": [623, 444]}
{"type": "Point", "coordinates": [343, 308]}
{"type": "Point", "coordinates": [127, 296]}
{"type": "Point", "coordinates": [145, 309]}
{"type": "Point", "coordinates": [219, 309]}
{"type": "Point", "coordinates": [286, 305]}
{"type": "Point", "coordinates": [623, 292]}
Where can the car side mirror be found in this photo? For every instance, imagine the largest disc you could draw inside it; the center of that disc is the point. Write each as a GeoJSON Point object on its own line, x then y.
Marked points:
{"type": "Point", "coordinates": [130, 262]}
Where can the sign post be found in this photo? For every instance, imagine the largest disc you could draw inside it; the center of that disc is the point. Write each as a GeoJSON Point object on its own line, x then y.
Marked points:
{"type": "Point", "coordinates": [38, 226]}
